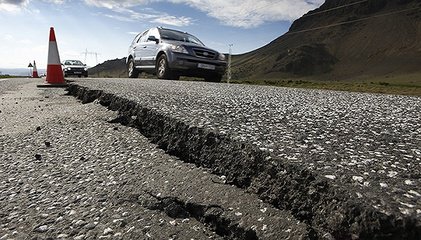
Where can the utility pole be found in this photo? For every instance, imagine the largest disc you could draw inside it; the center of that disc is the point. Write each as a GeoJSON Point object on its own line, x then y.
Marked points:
{"type": "Point", "coordinates": [229, 62]}
{"type": "Point", "coordinates": [91, 53]}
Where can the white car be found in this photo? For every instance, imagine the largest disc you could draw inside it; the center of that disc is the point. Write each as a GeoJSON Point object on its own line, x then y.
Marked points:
{"type": "Point", "coordinates": [74, 68]}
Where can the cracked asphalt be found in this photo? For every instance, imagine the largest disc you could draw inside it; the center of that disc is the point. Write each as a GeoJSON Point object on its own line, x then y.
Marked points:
{"type": "Point", "coordinates": [368, 144]}
{"type": "Point", "coordinates": [68, 172]}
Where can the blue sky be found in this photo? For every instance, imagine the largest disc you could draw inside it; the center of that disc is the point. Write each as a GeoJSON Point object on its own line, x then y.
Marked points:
{"type": "Point", "coordinates": [107, 27]}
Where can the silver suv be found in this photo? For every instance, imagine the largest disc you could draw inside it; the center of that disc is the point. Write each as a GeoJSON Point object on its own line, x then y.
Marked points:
{"type": "Point", "coordinates": [170, 54]}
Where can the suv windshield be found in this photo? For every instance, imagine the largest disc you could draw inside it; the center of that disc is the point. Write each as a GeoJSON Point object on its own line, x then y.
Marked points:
{"type": "Point", "coordinates": [73, 62]}
{"type": "Point", "coordinates": [179, 36]}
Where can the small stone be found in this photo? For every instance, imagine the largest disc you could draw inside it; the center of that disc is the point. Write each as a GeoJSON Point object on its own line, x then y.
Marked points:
{"type": "Point", "coordinates": [409, 182]}
{"type": "Point", "coordinates": [115, 128]}
{"type": "Point", "coordinates": [383, 185]}
{"type": "Point", "coordinates": [108, 231]}
{"type": "Point", "coordinates": [90, 226]}
{"type": "Point", "coordinates": [414, 193]}
{"type": "Point", "coordinates": [38, 128]}
{"type": "Point", "coordinates": [357, 179]}
{"type": "Point", "coordinates": [392, 174]}
{"type": "Point", "coordinates": [38, 156]}
{"type": "Point", "coordinates": [41, 229]}
{"type": "Point", "coordinates": [47, 144]}
{"type": "Point", "coordinates": [62, 235]}
{"type": "Point", "coordinates": [331, 177]}
{"type": "Point", "coordinates": [80, 237]}
{"type": "Point", "coordinates": [80, 223]}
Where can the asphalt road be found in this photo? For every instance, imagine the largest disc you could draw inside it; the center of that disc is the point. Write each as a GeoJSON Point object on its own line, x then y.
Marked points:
{"type": "Point", "coordinates": [68, 172]}
{"type": "Point", "coordinates": [326, 164]}
{"type": "Point", "coordinates": [366, 146]}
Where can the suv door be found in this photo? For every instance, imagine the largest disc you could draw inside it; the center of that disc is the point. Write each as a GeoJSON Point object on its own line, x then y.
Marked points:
{"type": "Point", "coordinates": [138, 49]}
{"type": "Point", "coordinates": [150, 48]}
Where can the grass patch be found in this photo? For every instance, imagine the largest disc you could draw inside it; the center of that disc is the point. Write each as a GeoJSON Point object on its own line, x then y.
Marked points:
{"type": "Point", "coordinates": [8, 76]}
{"type": "Point", "coordinates": [399, 85]}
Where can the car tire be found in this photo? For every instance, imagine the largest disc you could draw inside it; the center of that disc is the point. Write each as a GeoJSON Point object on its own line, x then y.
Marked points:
{"type": "Point", "coordinates": [213, 78]}
{"type": "Point", "coordinates": [162, 69]}
{"type": "Point", "coordinates": [131, 69]}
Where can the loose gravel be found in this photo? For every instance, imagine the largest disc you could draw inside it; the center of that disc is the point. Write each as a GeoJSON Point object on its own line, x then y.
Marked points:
{"type": "Point", "coordinates": [365, 146]}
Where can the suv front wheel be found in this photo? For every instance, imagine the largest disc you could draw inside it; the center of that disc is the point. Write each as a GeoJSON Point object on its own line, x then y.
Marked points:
{"type": "Point", "coordinates": [131, 69]}
{"type": "Point", "coordinates": [162, 69]}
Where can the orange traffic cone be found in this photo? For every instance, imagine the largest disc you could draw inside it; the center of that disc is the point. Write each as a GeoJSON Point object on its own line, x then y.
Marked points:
{"type": "Point", "coordinates": [54, 71]}
{"type": "Point", "coordinates": [35, 71]}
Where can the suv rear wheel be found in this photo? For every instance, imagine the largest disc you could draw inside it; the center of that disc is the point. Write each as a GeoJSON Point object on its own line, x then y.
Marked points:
{"type": "Point", "coordinates": [131, 69]}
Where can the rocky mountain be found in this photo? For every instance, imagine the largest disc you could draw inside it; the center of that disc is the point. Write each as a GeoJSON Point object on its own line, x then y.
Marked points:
{"type": "Point", "coordinates": [364, 39]}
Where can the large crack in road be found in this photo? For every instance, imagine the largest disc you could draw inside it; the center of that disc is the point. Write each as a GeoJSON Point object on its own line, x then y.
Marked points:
{"type": "Point", "coordinates": [350, 171]}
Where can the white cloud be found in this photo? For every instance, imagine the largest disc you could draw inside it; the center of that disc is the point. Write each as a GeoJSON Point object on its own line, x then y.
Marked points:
{"type": "Point", "coordinates": [237, 13]}
{"type": "Point", "coordinates": [12, 6]}
{"type": "Point", "coordinates": [15, 6]}
{"type": "Point", "coordinates": [115, 4]}
{"type": "Point", "coordinates": [25, 41]}
{"type": "Point", "coordinates": [8, 37]}
{"type": "Point", "coordinates": [123, 12]}
{"type": "Point", "coordinates": [251, 13]}
{"type": "Point", "coordinates": [173, 21]}
{"type": "Point", "coordinates": [55, 1]}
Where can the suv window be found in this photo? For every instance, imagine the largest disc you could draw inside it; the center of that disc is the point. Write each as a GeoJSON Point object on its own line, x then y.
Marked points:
{"type": "Point", "coordinates": [154, 32]}
{"type": "Point", "coordinates": [179, 36]}
{"type": "Point", "coordinates": [144, 37]}
{"type": "Point", "coordinates": [136, 39]}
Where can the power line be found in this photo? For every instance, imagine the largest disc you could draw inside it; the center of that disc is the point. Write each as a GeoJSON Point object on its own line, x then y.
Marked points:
{"type": "Point", "coordinates": [352, 21]}
{"type": "Point", "coordinates": [334, 8]}
{"type": "Point", "coordinates": [91, 53]}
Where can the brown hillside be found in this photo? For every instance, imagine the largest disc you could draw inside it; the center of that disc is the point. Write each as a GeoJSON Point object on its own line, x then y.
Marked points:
{"type": "Point", "coordinates": [110, 68]}
{"type": "Point", "coordinates": [381, 37]}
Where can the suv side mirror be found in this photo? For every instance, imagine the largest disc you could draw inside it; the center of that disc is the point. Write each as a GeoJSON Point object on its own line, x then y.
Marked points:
{"type": "Point", "coordinates": [153, 39]}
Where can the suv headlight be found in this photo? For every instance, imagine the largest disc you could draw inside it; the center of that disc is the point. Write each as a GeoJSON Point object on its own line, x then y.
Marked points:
{"type": "Point", "coordinates": [221, 57]}
{"type": "Point", "coordinates": [179, 49]}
